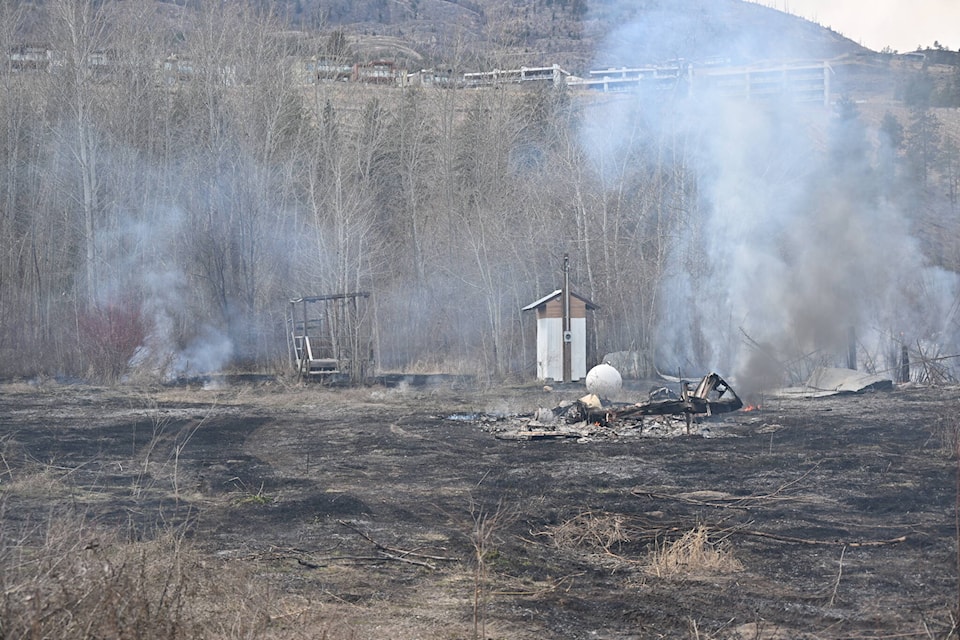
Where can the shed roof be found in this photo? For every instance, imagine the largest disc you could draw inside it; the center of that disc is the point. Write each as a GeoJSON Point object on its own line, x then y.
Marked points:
{"type": "Point", "coordinates": [556, 294]}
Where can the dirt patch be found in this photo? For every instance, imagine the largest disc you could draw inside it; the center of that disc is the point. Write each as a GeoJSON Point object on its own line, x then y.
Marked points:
{"type": "Point", "coordinates": [398, 513]}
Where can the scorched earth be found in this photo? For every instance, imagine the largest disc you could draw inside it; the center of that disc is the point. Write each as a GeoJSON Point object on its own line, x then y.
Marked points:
{"type": "Point", "coordinates": [271, 510]}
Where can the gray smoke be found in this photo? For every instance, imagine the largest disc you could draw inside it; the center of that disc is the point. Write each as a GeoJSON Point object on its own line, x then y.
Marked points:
{"type": "Point", "coordinates": [787, 250]}
{"type": "Point", "coordinates": [144, 256]}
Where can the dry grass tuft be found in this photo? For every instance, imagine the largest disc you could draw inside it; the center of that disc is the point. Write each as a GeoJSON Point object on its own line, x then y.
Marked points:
{"type": "Point", "coordinates": [602, 531]}
{"type": "Point", "coordinates": [42, 482]}
{"type": "Point", "coordinates": [947, 430]}
{"type": "Point", "coordinates": [74, 580]}
{"type": "Point", "coordinates": [691, 555]}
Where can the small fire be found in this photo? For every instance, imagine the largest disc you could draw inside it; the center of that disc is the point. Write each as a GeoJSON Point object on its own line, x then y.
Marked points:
{"type": "Point", "coordinates": [752, 407]}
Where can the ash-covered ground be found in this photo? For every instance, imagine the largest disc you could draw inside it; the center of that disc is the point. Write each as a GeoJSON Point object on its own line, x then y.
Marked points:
{"type": "Point", "coordinates": [399, 513]}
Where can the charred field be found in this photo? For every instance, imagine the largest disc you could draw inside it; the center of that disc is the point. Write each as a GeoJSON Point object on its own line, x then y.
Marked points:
{"type": "Point", "coordinates": [272, 510]}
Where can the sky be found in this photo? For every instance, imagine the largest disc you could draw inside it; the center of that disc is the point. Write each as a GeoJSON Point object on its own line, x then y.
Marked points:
{"type": "Point", "coordinates": [901, 25]}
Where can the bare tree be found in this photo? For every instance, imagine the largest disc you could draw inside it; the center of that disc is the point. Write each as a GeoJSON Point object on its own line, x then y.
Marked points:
{"type": "Point", "coordinates": [344, 222]}
{"type": "Point", "coordinates": [414, 156]}
{"type": "Point", "coordinates": [22, 270]}
{"type": "Point", "coordinates": [80, 28]}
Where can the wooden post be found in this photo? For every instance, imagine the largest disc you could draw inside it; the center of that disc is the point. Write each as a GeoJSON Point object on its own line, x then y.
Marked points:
{"type": "Point", "coordinates": [852, 349]}
{"type": "Point", "coordinates": [904, 364]}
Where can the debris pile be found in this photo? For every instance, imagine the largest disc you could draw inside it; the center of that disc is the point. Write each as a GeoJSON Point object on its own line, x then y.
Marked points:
{"type": "Point", "coordinates": [831, 381]}
{"type": "Point", "coordinates": [663, 414]}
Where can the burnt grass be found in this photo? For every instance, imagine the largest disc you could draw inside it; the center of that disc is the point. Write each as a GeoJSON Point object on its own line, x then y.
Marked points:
{"type": "Point", "coordinates": [398, 513]}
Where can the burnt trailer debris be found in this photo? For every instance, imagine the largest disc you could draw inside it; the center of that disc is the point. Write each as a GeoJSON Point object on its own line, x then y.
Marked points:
{"type": "Point", "coordinates": [670, 413]}
{"type": "Point", "coordinates": [712, 396]}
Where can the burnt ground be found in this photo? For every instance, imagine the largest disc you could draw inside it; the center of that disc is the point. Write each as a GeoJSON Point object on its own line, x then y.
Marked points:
{"type": "Point", "coordinates": [398, 512]}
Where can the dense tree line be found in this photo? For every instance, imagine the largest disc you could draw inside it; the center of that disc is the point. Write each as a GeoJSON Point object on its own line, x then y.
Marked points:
{"type": "Point", "coordinates": [161, 226]}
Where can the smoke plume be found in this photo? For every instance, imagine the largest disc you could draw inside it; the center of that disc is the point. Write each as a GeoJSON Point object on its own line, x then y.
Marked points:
{"type": "Point", "coordinates": [792, 251]}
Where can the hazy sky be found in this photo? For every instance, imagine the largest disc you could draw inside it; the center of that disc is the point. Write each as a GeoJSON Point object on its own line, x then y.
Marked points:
{"type": "Point", "coordinates": [875, 24]}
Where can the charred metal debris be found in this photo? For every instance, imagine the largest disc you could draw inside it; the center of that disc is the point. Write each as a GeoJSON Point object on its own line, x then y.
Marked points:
{"type": "Point", "coordinates": [664, 413]}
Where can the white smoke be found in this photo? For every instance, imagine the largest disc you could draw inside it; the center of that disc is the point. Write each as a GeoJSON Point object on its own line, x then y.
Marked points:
{"type": "Point", "coordinates": [791, 252]}
{"type": "Point", "coordinates": [144, 256]}
{"type": "Point", "coordinates": [207, 353]}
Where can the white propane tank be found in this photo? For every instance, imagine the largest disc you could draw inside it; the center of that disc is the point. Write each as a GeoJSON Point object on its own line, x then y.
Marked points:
{"type": "Point", "coordinates": [604, 381]}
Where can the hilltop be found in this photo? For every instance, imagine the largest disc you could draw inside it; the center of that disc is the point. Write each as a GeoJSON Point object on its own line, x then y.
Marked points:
{"type": "Point", "coordinates": [573, 33]}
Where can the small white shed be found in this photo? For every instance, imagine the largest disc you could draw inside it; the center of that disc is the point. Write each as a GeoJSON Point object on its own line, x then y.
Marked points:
{"type": "Point", "coordinates": [561, 337]}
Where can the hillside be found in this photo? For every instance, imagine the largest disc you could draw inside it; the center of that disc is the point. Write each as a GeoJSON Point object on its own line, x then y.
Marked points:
{"type": "Point", "coordinates": [573, 33]}
{"type": "Point", "coordinates": [476, 34]}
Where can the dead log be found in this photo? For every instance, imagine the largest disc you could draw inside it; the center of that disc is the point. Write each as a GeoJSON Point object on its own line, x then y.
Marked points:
{"type": "Point", "coordinates": [399, 555]}
{"type": "Point", "coordinates": [836, 543]}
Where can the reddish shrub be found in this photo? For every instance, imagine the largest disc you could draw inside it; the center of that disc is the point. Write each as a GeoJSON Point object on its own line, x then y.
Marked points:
{"type": "Point", "coordinates": [109, 335]}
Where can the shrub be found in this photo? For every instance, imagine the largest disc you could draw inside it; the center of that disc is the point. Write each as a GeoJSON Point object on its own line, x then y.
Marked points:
{"type": "Point", "coordinates": [693, 554]}
{"type": "Point", "coordinates": [83, 583]}
{"type": "Point", "coordinates": [108, 337]}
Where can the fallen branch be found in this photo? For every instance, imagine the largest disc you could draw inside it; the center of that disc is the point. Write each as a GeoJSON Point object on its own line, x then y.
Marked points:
{"type": "Point", "coordinates": [566, 583]}
{"type": "Point", "coordinates": [781, 487]}
{"type": "Point", "coordinates": [740, 530]}
{"type": "Point", "coordinates": [311, 561]}
{"type": "Point", "coordinates": [781, 538]}
{"type": "Point", "coordinates": [836, 585]}
{"type": "Point", "coordinates": [743, 502]}
{"type": "Point", "coordinates": [399, 555]}
{"type": "Point", "coordinates": [740, 502]}
{"type": "Point", "coordinates": [666, 496]}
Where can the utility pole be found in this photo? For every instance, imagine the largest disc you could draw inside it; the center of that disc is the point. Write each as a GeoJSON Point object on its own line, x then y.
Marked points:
{"type": "Point", "coordinates": [567, 334]}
